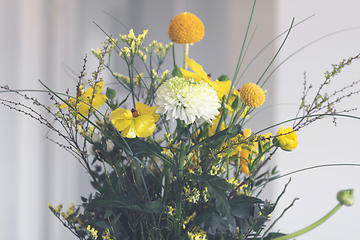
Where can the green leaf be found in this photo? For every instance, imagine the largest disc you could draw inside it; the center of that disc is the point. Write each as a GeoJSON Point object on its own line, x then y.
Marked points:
{"type": "Point", "coordinates": [258, 223]}
{"type": "Point", "coordinates": [243, 206]}
{"type": "Point", "coordinates": [215, 182]}
{"type": "Point", "coordinates": [218, 137]}
{"type": "Point", "coordinates": [108, 214]}
{"type": "Point", "coordinates": [126, 201]}
{"type": "Point", "coordinates": [212, 223]}
{"type": "Point", "coordinates": [273, 235]}
{"type": "Point", "coordinates": [103, 224]}
{"type": "Point", "coordinates": [113, 222]}
{"type": "Point", "coordinates": [217, 188]}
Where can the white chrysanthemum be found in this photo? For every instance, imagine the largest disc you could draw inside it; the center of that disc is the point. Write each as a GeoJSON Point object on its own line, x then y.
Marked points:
{"type": "Point", "coordinates": [187, 100]}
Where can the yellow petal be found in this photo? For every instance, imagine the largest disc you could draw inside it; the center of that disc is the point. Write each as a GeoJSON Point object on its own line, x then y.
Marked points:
{"type": "Point", "coordinates": [143, 122]}
{"type": "Point", "coordinates": [121, 124]}
{"type": "Point", "coordinates": [129, 132]}
{"type": "Point", "coordinates": [197, 68]}
{"type": "Point", "coordinates": [121, 113]}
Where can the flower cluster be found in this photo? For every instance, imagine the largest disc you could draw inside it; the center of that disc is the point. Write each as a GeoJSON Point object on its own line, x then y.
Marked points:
{"type": "Point", "coordinates": [171, 157]}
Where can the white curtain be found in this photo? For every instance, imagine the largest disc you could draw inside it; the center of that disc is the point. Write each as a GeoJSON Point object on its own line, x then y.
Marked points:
{"type": "Point", "coordinates": [48, 39]}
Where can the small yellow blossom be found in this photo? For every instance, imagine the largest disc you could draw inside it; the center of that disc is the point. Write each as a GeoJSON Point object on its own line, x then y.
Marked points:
{"type": "Point", "coordinates": [200, 235]}
{"type": "Point", "coordinates": [92, 232]}
{"type": "Point", "coordinates": [252, 95]}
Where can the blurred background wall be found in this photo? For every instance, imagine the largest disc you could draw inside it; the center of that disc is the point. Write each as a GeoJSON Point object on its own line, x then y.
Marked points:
{"type": "Point", "coordinates": [48, 40]}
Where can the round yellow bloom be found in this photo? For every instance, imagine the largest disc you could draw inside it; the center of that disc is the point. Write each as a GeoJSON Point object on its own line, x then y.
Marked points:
{"type": "Point", "coordinates": [186, 28]}
{"type": "Point", "coordinates": [252, 95]}
{"type": "Point", "coordinates": [286, 139]}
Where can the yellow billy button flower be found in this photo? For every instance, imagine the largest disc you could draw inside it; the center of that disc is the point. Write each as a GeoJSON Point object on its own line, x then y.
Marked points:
{"type": "Point", "coordinates": [186, 28]}
{"type": "Point", "coordinates": [92, 97]}
{"type": "Point", "coordinates": [286, 139]}
{"type": "Point", "coordinates": [252, 95]}
{"type": "Point", "coordinates": [139, 122]}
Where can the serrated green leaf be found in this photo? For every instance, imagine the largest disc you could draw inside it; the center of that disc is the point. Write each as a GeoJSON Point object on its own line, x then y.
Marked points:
{"type": "Point", "coordinates": [215, 182]}
{"type": "Point", "coordinates": [212, 223]}
{"type": "Point", "coordinates": [243, 209]}
{"type": "Point", "coordinates": [103, 225]}
{"type": "Point", "coordinates": [216, 187]}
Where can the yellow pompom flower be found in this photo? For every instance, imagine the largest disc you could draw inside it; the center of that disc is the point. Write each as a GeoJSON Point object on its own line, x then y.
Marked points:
{"type": "Point", "coordinates": [252, 95]}
{"type": "Point", "coordinates": [139, 122]}
{"type": "Point", "coordinates": [186, 28]}
{"type": "Point", "coordinates": [286, 139]}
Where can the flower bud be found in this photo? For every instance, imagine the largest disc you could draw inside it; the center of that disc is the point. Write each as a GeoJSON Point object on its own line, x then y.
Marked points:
{"type": "Point", "coordinates": [109, 146]}
{"type": "Point", "coordinates": [176, 72]}
{"type": "Point", "coordinates": [286, 139]}
{"type": "Point", "coordinates": [110, 93]}
{"type": "Point", "coordinates": [236, 104]}
{"type": "Point", "coordinates": [223, 78]}
{"type": "Point", "coordinates": [346, 197]}
{"type": "Point", "coordinates": [95, 138]}
{"type": "Point", "coordinates": [91, 150]}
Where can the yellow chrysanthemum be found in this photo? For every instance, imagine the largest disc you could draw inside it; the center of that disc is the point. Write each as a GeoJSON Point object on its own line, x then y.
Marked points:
{"type": "Point", "coordinates": [252, 95]}
{"type": "Point", "coordinates": [139, 122]}
{"type": "Point", "coordinates": [186, 28]}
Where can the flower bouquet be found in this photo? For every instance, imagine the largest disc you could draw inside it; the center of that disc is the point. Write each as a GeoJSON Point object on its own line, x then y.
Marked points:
{"type": "Point", "coordinates": [170, 156]}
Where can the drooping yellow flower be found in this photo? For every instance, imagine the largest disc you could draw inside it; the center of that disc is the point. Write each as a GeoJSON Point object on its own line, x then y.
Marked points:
{"type": "Point", "coordinates": [199, 75]}
{"type": "Point", "coordinates": [286, 139]}
{"type": "Point", "coordinates": [91, 98]}
{"type": "Point", "coordinates": [186, 28]}
{"type": "Point", "coordinates": [139, 122]}
{"type": "Point", "coordinates": [252, 95]}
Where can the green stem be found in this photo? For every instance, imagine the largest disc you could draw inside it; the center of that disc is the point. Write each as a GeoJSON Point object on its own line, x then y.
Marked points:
{"type": "Point", "coordinates": [186, 54]}
{"type": "Point", "coordinates": [312, 226]}
{"type": "Point", "coordinates": [179, 191]}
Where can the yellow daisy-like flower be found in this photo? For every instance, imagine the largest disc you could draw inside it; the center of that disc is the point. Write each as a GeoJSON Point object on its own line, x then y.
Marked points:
{"type": "Point", "coordinates": [139, 122]}
{"type": "Point", "coordinates": [199, 75]}
{"type": "Point", "coordinates": [92, 97]}
{"type": "Point", "coordinates": [252, 95]}
{"type": "Point", "coordinates": [186, 28]}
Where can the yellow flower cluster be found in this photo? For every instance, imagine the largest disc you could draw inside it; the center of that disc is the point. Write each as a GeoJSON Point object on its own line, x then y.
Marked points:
{"type": "Point", "coordinates": [133, 42]}
{"type": "Point", "coordinates": [200, 235]}
{"type": "Point", "coordinates": [137, 80]}
{"type": "Point", "coordinates": [69, 215]}
{"type": "Point", "coordinates": [186, 28]}
{"type": "Point", "coordinates": [191, 195]}
{"type": "Point", "coordinates": [252, 95]}
{"type": "Point", "coordinates": [156, 78]}
{"type": "Point", "coordinates": [92, 232]}
{"type": "Point", "coordinates": [56, 210]}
